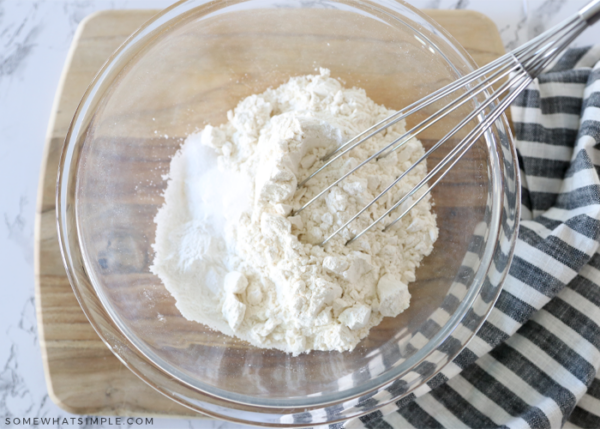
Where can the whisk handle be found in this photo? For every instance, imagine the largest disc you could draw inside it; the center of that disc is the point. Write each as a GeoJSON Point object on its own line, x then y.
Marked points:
{"type": "Point", "coordinates": [590, 13]}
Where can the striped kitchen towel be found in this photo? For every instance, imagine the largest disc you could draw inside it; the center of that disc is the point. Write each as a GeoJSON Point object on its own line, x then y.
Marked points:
{"type": "Point", "coordinates": [541, 368]}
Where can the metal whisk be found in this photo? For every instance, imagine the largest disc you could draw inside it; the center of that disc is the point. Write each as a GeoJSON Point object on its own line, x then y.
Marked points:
{"type": "Point", "coordinates": [520, 67]}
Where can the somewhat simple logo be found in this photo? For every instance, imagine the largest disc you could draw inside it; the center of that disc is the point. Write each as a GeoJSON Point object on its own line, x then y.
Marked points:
{"type": "Point", "coordinates": [77, 421]}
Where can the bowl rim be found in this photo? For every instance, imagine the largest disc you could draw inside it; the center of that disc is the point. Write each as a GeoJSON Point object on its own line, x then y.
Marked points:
{"type": "Point", "coordinates": [116, 338]}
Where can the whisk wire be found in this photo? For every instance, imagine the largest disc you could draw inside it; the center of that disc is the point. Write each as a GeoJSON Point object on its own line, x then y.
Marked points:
{"type": "Point", "coordinates": [521, 66]}
{"type": "Point", "coordinates": [413, 132]}
{"type": "Point", "coordinates": [440, 93]}
{"type": "Point", "coordinates": [449, 135]}
{"type": "Point", "coordinates": [458, 102]}
{"type": "Point", "coordinates": [493, 117]}
{"type": "Point", "coordinates": [401, 114]}
{"type": "Point", "coordinates": [536, 63]}
{"type": "Point", "coordinates": [467, 142]}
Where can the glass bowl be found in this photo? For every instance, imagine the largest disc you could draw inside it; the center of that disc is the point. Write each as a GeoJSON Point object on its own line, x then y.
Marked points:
{"type": "Point", "coordinates": [186, 68]}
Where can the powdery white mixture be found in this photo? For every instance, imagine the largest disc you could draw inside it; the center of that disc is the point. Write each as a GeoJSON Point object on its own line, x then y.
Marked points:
{"type": "Point", "coordinates": [233, 258]}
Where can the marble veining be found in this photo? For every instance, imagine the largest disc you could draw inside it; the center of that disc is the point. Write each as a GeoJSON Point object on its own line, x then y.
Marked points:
{"type": "Point", "coordinates": [35, 36]}
{"type": "Point", "coordinates": [17, 40]}
{"type": "Point", "coordinates": [17, 231]}
{"type": "Point", "coordinates": [546, 12]}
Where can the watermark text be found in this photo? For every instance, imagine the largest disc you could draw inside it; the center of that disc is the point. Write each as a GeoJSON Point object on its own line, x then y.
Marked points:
{"type": "Point", "coordinates": [78, 421]}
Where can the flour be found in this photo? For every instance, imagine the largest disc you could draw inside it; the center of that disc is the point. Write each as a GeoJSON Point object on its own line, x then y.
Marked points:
{"type": "Point", "coordinates": [235, 260]}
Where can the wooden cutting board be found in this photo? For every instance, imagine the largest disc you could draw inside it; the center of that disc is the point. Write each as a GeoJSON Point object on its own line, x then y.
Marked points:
{"type": "Point", "coordinates": [82, 374]}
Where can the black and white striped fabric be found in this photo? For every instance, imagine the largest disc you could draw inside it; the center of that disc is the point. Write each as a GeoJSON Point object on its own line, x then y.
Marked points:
{"type": "Point", "coordinates": [535, 363]}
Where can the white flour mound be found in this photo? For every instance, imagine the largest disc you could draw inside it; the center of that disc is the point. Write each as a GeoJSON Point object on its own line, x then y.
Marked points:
{"type": "Point", "coordinates": [233, 258]}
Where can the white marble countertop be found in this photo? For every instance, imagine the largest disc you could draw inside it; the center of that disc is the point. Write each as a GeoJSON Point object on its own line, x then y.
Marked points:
{"type": "Point", "coordinates": [35, 36]}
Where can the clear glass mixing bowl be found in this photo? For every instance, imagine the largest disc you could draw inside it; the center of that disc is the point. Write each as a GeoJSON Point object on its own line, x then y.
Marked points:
{"type": "Point", "coordinates": [186, 68]}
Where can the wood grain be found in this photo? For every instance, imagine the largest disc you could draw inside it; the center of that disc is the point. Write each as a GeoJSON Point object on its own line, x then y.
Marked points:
{"type": "Point", "coordinates": [82, 375]}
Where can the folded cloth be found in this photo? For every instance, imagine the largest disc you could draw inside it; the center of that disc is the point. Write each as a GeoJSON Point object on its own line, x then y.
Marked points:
{"type": "Point", "coordinates": [535, 362]}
